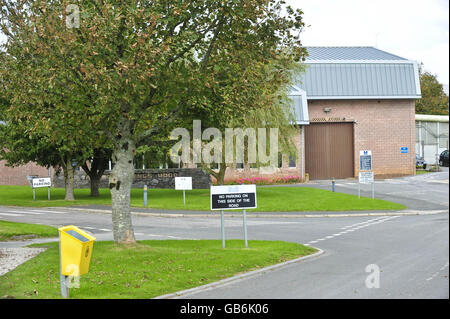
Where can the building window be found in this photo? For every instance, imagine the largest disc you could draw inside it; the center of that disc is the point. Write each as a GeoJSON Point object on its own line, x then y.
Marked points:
{"type": "Point", "coordinates": [239, 165]}
{"type": "Point", "coordinates": [292, 162]}
{"type": "Point", "coordinates": [280, 160]}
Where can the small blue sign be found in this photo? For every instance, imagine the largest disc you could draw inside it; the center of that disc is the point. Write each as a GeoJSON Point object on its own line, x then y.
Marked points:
{"type": "Point", "coordinates": [404, 150]}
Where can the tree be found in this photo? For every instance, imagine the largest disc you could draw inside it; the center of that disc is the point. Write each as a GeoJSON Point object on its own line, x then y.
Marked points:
{"type": "Point", "coordinates": [434, 100]}
{"type": "Point", "coordinates": [130, 66]}
{"type": "Point", "coordinates": [257, 100]}
{"type": "Point", "coordinates": [96, 166]}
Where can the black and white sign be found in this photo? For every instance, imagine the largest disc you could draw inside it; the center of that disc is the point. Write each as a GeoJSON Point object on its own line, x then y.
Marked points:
{"type": "Point", "coordinates": [183, 183]}
{"type": "Point", "coordinates": [365, 160]}
{"type": "Point", "coordinates": [233, 197]}
{"type": "Point", "coordinates": [366, 177]}
{"type": "Point", "coordinates": [41, 182]}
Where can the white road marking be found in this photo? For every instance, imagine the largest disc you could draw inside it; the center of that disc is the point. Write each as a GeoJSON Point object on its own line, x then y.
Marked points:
{"type": "Point", "coordinates": [14, 215]}
{"type": "Point", "coordinates": [366, 222]}
{"type": "Point", "coordinates": [357, 226]}
{"type": "Point", "coordinates": [104, 229]}
{"type": "Point", "coordinates": [49, 211]}
{"type": "Point", "coordinates": [167, 236]}
{"type": "Point", "coordinates": [24, 212]}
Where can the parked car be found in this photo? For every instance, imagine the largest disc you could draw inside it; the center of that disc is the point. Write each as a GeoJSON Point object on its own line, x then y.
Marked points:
{"type": "Point", "coordinates": [443, 158]}
{"type": "Point", "coordinates": [420, 162]}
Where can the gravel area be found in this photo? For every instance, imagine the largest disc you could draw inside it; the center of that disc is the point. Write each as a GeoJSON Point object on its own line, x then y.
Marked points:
{"type": "Point", "coordinates": [10, 258]}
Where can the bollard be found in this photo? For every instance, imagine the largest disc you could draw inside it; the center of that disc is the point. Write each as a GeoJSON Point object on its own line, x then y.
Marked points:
{"type": "Point", "coordinates": [333, 185]}
{"type": "Point", "coordinates": [145, 196]}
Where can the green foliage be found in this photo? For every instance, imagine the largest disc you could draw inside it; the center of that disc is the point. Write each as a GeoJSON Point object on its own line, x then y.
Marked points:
{"type": "Point", "coordinates": [130, 68]}
{"type": "Point", "coordinates": [434, 100]}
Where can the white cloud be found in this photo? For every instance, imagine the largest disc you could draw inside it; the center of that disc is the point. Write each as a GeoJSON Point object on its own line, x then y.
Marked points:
{"type": "Point", "coordinates": [414, 29]}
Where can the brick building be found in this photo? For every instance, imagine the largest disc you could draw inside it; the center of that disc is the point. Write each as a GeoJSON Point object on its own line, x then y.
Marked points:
{"type": "Point", "coordinates": [18, 175]}
{"type": "Point", "coordinates": [352, 99]}
{"type": "Point", "coordinates": [349, 99]}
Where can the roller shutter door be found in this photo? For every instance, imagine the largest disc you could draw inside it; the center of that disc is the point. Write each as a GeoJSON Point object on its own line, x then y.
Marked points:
{"type": "Point", "coordinates": [329, 150]}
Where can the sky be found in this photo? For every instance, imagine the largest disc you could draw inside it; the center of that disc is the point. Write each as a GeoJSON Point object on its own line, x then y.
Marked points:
{"type": "Point", "coordinates": [413, 29]}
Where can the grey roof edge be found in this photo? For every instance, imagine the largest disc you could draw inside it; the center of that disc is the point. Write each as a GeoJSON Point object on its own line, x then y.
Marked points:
{"type": "Point", "coordinates": [365, 97]}
{"type": "Point", "coordinates": [317, 53]}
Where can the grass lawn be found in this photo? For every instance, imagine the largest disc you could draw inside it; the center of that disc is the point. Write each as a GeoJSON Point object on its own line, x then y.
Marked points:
{"type": "Point", "coordinates": [147, 269]}
{"type": "Point", "coordinates": [10, 229]}
{"type": "Point", "coordinates": [270, 199]}
{"type": "Point", "coordinates": [422, 171]}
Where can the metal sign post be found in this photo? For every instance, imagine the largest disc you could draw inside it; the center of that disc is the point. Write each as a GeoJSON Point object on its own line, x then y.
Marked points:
{"type": "Point", "coordinates": [64, 280]}
{"type": "Point", "coordinates": [40, 183]}
{"type": "Point", "coordinates": [233, 197]}
{"type": "Point", "coordinates": [183, 183]}
{"type": "Point", "coordinates": [373, 189]}
{"type": "Point", "coordinates": [365, 174]}
{"type": "Point", "coordinates": [359, 189]}
{"type": "Point", "coordinates": [245, 229]}
{"type": "Point", "coordinates": [222, 223]}
{"type": "Point", "coordinates": [366, 178]}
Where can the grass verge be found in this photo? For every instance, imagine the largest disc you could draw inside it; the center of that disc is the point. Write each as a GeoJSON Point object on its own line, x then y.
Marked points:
{"type": "Point", "coordinates": [11, 230]}
{"type": "Point", "coordinates": [270, 199]}
{"type": "Point", "coordinates": [422, 171]}
{"type": "Point", "coordinates": [147, 269]}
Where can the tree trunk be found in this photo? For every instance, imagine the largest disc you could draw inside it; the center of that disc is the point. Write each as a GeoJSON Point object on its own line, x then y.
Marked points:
{"type": "Point", "coordinates": [69, 180]}
{"type": "Point", "coordinates": [95, 185]}
{"type": "Point", "coordinates": [221, 174]}
{"type": "Point", "coordinates": [96, 169]}
{"type": "Point", "coordinates": [120, 182]}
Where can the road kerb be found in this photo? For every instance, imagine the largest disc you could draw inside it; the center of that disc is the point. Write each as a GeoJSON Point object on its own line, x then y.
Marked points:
{"type": "Point", "coordinates": [237, 278]}
{"type": "Point", "coordinates": [406, 212]}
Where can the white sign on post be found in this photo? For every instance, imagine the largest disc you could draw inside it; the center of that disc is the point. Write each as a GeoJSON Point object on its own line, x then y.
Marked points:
{"type": "Point", "coordinates": [41, 182]}
{"type": "Point", "coordinates": [233, 197]}
{"type": "Point", "coordinates": [366, 177]}
{"type": "Point", "coordinates": [365, 160]}
{"type": "Point", "coordinates": [183, 183]}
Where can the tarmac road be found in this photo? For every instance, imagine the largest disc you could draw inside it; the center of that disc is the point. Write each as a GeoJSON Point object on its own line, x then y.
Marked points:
{"type": "Point", "coordinates": [410, 253]}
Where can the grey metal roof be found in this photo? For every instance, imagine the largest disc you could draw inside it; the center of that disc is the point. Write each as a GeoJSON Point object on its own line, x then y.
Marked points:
{"type": "Point", "coordinates": [358, 73]}
{"type": "Point", "coordinates": [349, 53]}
